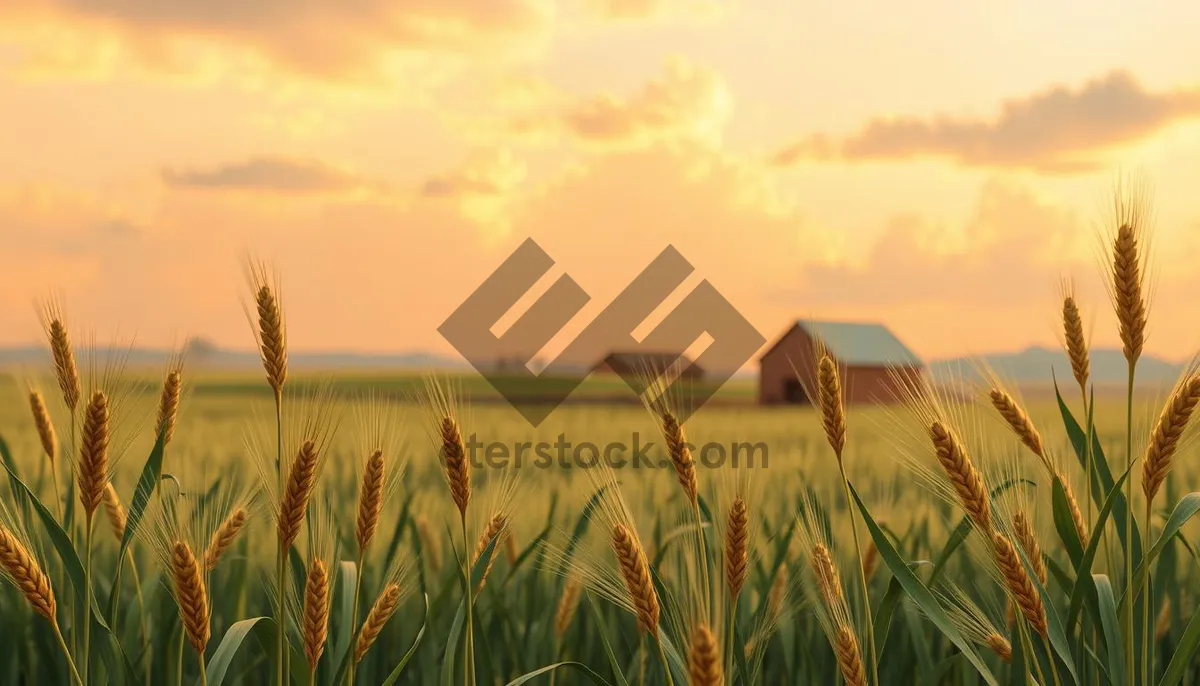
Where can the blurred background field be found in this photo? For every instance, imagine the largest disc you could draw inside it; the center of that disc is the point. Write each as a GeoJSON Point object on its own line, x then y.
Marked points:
{"type": "Point", "coordinates": [221, 413]}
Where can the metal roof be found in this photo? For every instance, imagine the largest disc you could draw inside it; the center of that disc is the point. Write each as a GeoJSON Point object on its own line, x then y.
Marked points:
{"type": "Point", "coordinates": [859, 343]}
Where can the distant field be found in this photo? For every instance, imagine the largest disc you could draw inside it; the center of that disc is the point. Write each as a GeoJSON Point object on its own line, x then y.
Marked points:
{"type": "Point", "coordinates": [220, 411]}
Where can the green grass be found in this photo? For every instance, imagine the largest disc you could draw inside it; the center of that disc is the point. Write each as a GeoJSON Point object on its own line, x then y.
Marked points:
{"type": "Point", "coordinates": [514, 616]}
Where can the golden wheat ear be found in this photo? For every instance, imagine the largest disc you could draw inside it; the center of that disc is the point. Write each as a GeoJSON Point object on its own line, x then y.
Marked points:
{"type": "Point", "coordinates": [168, 405]}
{"type": "Point", "coordinates": [497, 526]}
{"type": "Point", "coordinates": [117, 517]}
{"type": "Point", "coordinates": [1074, 340]}
{"type": "Point", "coordinates": [964, 477]}
{"type": "Point", "coordinates": [737, 544]}
{"type": "Point", "coordinates": [45, 427]}
{"type": "Point", "coordinates": [224, 537]}
{"type": "Point", "coordinates": [431, 549]}
{"type": "Point", "coordinates": [23, 570]}
{"type": "Point", "coordinates": [566, 607]}
{"type": "Point", "coordinates": [849, 657]}
{"type": "Point", "coordinates": [1019, 585]}
{"type": "Point", "coordinates": [381, 611]}
{"type": "Point", "coordinates": [293, 505]}
{"type": "Point", "coordinates": [191, 595]}
{"type": "Point", "coordinates": [316, 612]}
{"type": "Point", "coordinates": [704, 659]}
{"type": "Point", "coordinates": [370, 501]}
{"type": "Point", "coordinates": [833, 410]}
{"type": "Point", "coordinates": [66, 372]}
{"type": "Point", "coordinates": [92, 468]}
{"type": "Point", "coordinates": [635, 573]}
{"type": "Point", "coordinates": [1168, 434]}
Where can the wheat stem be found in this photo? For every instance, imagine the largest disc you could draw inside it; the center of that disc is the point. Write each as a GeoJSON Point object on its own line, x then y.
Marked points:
{"type": "Point", "coordinates": [62, 643]}
{"type": "Point", "coordinates": [662, 655]}
{"type": "Point", "coordinates": [862, 575]}
{"type": "Point", "coordinates": [468, 645]}
{"type": "Point", "coordinates": [1129, 642]}
{"type": "Point", "coordinates": [354, 628]}
{"type": "Point", "coordinates": [87, 593]}
{"type": "Point", "coordinates": [281, 654]}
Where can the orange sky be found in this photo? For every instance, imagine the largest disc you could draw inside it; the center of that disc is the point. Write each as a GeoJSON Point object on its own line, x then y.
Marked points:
{"type": "Point", "coordinates": [935, 166]}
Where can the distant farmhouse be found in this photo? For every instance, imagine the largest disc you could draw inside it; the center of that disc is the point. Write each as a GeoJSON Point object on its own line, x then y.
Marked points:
{"type": "Point", "coordinates": [865, 352]}
{"type": "Point", "coordinates": [652, 364]}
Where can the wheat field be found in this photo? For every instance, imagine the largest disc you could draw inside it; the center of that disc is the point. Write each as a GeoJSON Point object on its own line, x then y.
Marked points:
{"type": "Point", "coordinates": [159, 528]}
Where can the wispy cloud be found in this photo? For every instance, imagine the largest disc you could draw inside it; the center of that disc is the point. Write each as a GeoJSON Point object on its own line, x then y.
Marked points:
{"type": "Point", "coordinates": [1057, 130]}
{"type": "Point", "coordinates": [273, 174]}
{"type": "Point", "coordinates": [685, 101]}
{"type": "Point", "coordinates": [321, 38]}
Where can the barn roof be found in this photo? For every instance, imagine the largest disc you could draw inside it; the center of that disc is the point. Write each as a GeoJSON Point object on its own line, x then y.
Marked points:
{"type": "Point", "coordinates": [856, 343]}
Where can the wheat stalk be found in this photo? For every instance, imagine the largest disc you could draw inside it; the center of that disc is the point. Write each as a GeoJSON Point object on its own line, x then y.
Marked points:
{"type": "Point", "coordinates": [828, 581]}
{"type": "Point", "coordinates": [385, 606]}
{"type": "Point", "coordinates": [680, 454]}
{"type": "Point", "coordinates": [430, 545]}
{"type": "Point", "coordinates": [1000, 646]}
{"type": "Point", "coordinates": [116, 511]}
{"type": "Point", "coordinates": [168, 406]}
{"type": "Point", "coordinates": [737, 542]}
{"type": "Point", "coordinates": [1077, 519]}
{"type": "Point", "coordinates": [45, 428]}
{"type": "Point", "coordinates": [833, 412]}
{"type": "Point", "coordinates": [1026, 536]}
{"type": "Point", "coordinates": [27, 575]}
{"type": "Point", "coordinates": [456, 464]}
{"type": "Point", "coordinates": [191, 596]}
{"type": "Point", "coordinates": [1020, 586]}
{"type": "Point", "coordinates": [778, 591]}
{"type": "Point", "coordinates": [704, 659]}
{"type": "Point", "coordinates": [1076, 343]}
{"type": "Point", "coordinates": [1127, 292]}
{"type": "Point", "coordinates": [65, 369]}
{"type": "Point", "coordinates": [510, 549]}
{"type": "Point", "coordinates": [294, 504]}
{"type": "Point", "coordinates": [223, 538]}
{"type": "Point", "coordinates": [93, 453]}
{"type": "Point", "coordinates": [370, 501]}
{"type": "Point", "coordinates": [1167, 434]}
{"type": "Point", "coordinates": [1018, 420]}
{"type": "Point", "coordinates": [272, 339]}
{"type": "Point", "coordinates": [566, 607]}
{"type": "Point", "coordinates": [495, 528]}
{"type": "Point", "coordinates": [849, 658]}
{"type": "Point", "coordinates": [966, 480]}
{"type": "Point", "coordinates": [635, 572]}
{"type": "Point", "coordinates": [316, 612]}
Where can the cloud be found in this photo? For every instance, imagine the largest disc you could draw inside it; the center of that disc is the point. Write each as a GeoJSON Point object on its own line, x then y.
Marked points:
{"type": "Point", "coordinates": [482, 187]}
{"type": "Point", "coordinates": [1060, 130]}
{"type": "Point", "coordinates": [1011, 247]}
{"type": "Point", "coordinates": [319, 38]}
{"type": "Point", "coordinates": [685, 102]}
{"type": "Point", "coordinates": [484, 174]}
{"type": "Point", "coordinates": [272, 174]}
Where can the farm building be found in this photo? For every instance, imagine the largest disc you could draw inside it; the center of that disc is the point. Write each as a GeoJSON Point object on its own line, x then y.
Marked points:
{"type": "Point", "coordinates": [639, 364]}
{"type": "Point", "coordinates": [863, 351]}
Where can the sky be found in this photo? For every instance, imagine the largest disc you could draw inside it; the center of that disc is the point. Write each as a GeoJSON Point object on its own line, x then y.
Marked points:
{"type": "Point", "coordinates": [938, 167]}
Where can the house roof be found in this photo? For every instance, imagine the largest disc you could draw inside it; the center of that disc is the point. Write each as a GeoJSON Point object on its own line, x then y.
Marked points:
{"type": "Point", "coordinates": [855, 343]}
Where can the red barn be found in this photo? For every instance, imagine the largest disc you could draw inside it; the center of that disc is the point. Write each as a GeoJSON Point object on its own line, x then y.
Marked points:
{"type": "Point", "coordinates": [868, 354]}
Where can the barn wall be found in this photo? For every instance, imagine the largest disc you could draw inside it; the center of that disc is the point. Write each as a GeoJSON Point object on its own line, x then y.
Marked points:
{"type": "Point", "coordinates": [776, 367]}
{"type": "Point", "coordinates": [875, 384]}
{"type": "Point", "coordinates": [861, 384]}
